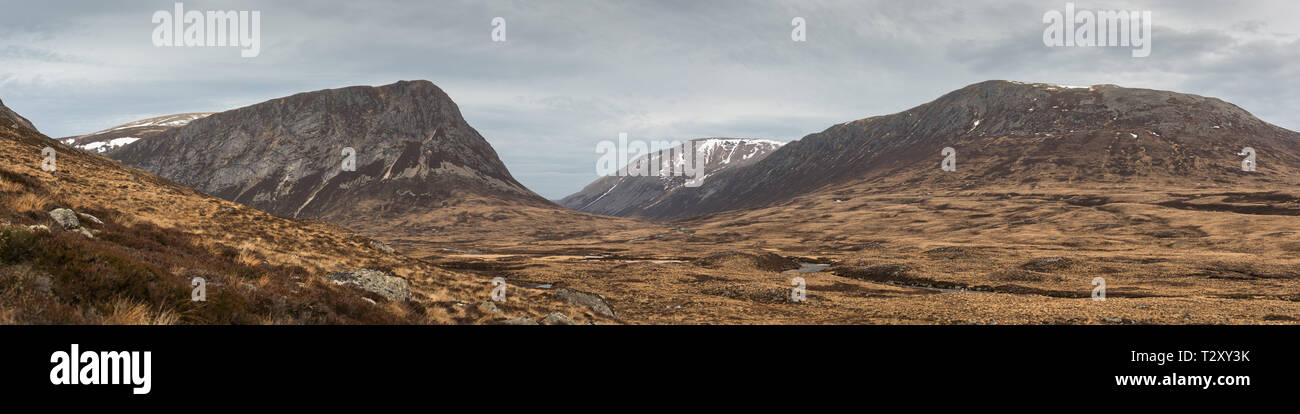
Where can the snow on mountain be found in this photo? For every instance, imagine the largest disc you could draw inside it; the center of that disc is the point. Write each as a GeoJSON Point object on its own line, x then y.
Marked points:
{"type": "Point", "coordinates": [625, 195]}
{"type": "Point", "coordinates": [120, 136]}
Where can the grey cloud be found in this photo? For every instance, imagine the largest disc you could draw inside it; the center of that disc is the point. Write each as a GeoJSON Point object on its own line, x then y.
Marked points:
{"type": "Point", "coordinates": [574, 73]}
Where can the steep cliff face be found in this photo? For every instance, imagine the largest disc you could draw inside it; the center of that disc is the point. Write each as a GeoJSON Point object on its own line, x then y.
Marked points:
{"type": "Point", "coordinates": [293, 156]}
{"type": "Point", "coordinates": [1013, 133]}
{"type": "Point", "coordinates": [628, 196]}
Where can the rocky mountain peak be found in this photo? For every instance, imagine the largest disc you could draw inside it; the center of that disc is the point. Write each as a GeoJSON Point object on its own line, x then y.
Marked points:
{"type": "Point", "coordinates": [628, 196]}
{"type": "Point", "coordinates": [336, 154]}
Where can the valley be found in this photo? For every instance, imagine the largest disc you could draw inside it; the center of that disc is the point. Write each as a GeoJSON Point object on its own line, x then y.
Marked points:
{"type": "Point", "coordinates": [1000, 203]}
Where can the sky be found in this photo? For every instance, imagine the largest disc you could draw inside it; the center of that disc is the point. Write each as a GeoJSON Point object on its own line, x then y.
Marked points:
{"type": "Point", "coordinates": [573, 73]}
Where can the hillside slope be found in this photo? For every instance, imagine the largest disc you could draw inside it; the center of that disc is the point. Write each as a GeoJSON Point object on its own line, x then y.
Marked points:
{"type": "Point", "coordinates": [132, 257]}
{"type": "Point", "coordinates": [1014, 133]}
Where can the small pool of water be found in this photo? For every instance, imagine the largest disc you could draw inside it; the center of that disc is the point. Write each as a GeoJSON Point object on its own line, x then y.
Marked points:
{"type": "Point", "coordinates": [807, 268]}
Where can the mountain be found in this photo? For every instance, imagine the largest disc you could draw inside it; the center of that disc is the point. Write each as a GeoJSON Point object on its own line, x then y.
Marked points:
{"type": "Point", "coordinates": [122, 135]}
{"type": "Point", "coordinates": [1013, 133]}
{"type": "Point", "coordinates": [12, 119]}
{"type": "Point", "coordinates": [627, 196]}
{"type": "Point", "coordinates": [96, 242]}
{"type": "Point", "coordinates": [413, 153]}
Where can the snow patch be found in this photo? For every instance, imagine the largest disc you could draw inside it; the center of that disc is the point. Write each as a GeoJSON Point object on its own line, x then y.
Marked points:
{"type": "Point", "coordinates": [102, 146]}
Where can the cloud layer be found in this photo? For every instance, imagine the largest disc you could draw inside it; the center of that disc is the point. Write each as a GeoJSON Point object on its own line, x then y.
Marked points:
{"type": "Point", "coordinates": [573, 73]}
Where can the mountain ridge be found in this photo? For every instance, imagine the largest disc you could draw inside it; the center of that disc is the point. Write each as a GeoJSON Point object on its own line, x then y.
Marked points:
{"type": "Point", "coordinates": [118, 136]}
{"type": "Point", "coordinates": [1011, 132]}
{"type": "Point", "coordinates": [636, 193]}
{"type": "Point", "coordinates": [411, 145]}
{"type": "Point", "coordinates": [14, 119]}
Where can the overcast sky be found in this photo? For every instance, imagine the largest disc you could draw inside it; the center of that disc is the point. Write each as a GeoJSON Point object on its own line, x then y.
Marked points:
{"type": "Point", "coordinates": [571, 74]}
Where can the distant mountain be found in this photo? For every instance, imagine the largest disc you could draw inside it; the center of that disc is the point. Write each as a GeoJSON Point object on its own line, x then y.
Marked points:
{"type": "Point", "coordinates": [631, 196]}
{"type": "Point", "coordinates": [125, 134]}
{"type": "Point", "coordinates": [14, 120]}
{"type": "Point", "coordinates": [1012, 133]}
{"type": "Point", "coordinates": [413, 153]}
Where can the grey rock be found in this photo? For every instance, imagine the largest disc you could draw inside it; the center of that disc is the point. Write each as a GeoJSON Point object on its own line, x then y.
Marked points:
{"type": "Point", "coordinates": [593, 301]}
{"type": "Point", "coordinates": [489, 307]}
{"type": "Point", "coordinates": [65, 217]}
{"type": "Point", "coordinates": [556, 318]}
{"type": "Point", "coordinates": [387, 285]}
{"type": "Point", "coordinates": [380, 246]}
{"type": "Point", "coordinates": [90, 218]}
{"type": "Point", "coordinates": [522, 320]}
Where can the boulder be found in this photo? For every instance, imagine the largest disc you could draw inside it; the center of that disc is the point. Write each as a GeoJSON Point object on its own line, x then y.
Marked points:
{"type": "Point", "coordinates": [522, 320]}
{"type": "Point", "coordinates": [380, 246]}
{"type": "Point", "coordinates": [382, 283]}
{"type": "Point", "coordinates": [90, 218]}
{"type": "Point", "coordinates": [488, 307]}
{"type": "Point", "coordinates": [556, 318]}
{"type": "Point", "coordinates": [65, 217]}
{"type": "Point", "coordinates": [593, 301]}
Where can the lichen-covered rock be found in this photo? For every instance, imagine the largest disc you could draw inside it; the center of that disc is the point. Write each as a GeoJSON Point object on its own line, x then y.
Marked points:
{"type": "Point", "coordinates": [66, 218]}
{"type": "Point", "coordinates": [382, 283]}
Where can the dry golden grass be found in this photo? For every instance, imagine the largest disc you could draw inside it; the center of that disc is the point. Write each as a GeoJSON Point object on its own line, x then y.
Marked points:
{"type": "Point", "coordinates": [1223, 256]}
{"type": "Point", "coordinates": [127, 312]}
{"type": "Point", "coordinates": [285, 260]}
{"type": "Point", "coordinates": [27, 202]}
{"type": "Point", "coordinates": [7, 186]}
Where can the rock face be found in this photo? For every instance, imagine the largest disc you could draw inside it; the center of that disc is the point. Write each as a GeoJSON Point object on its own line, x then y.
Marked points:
{"type": "Point", "coordinates": [382, 283]}
{"type": "Point", "coordinates": [13, 120]}
{"type": "Point", "coordinates": [1011, 133]}
{"type": "Point", "coordinates": [120, 136]}
{"type": "Point", "coordinates": [632, 196]}
{"type": "Point", "coordinates": [413, 151]}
